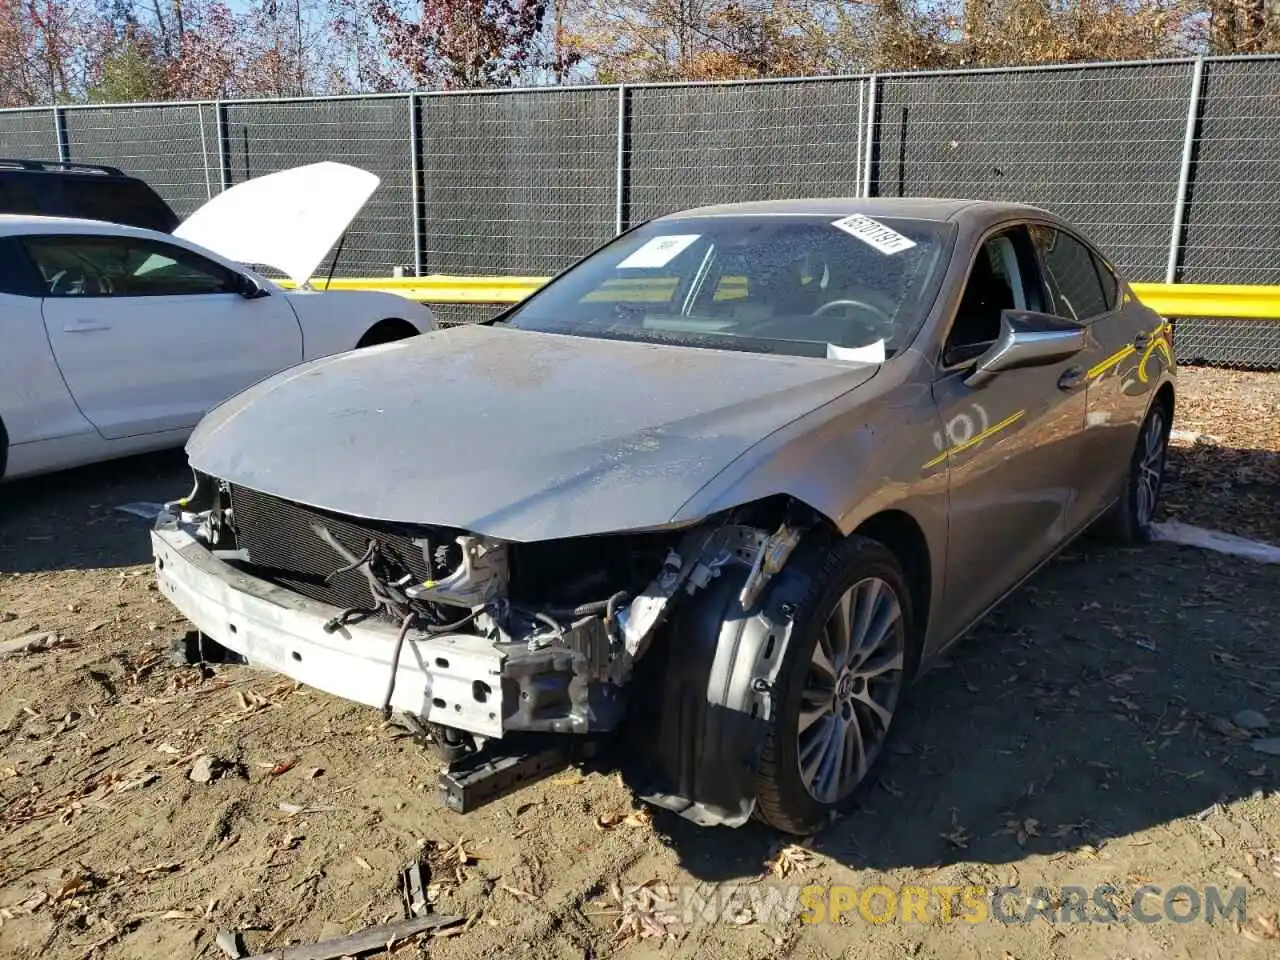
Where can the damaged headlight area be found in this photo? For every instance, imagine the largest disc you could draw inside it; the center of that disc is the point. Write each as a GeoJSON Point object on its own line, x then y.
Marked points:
{"type": "Point", "coordinates": [544, 636]}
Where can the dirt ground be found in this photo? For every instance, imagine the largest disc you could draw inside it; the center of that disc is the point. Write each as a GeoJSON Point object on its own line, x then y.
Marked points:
{"type": "Point", "coordinates": [1081, 736]}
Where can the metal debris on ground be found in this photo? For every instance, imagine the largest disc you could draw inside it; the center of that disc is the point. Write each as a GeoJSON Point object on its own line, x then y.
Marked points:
{"type": "Point", "coordinates": [31, 643]}
{"type": "Point", "coordinates": [414, 880]}
{"type": "Point", "coordinates": [380, 938]}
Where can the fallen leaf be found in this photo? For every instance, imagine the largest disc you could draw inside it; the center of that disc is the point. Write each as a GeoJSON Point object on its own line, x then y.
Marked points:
{"type": "Point", "coordinates": [1022, 830]}
{"type": "Point", "coordinates": [1261, 928]}
{"type": "Point", "coordinates": [519, 894]}
{"type": "Point", "coordinates": [958, 837]}
{"type": "Point", "coordinates": [644, 913]}
{"type": "Point", "coordinates": [284, 766]}
{"type": "Point", "coordinates": [631, 818]}
{"type": "Point", "coordinates": [142, 780]}
{"type": "Point", "coordinates": [792, 858]}
{"type": "Point", "coordinates": [364, 863]}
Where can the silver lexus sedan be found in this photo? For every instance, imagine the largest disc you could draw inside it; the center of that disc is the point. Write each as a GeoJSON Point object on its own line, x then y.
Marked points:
{"type": "Point", "coordinates": [713, 496]}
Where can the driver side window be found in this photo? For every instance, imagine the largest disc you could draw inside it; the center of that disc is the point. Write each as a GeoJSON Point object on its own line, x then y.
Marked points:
{"type": "Point", "coordinates": [1002, 278]}
{"type": "Point", "coordinates": [123, 267]}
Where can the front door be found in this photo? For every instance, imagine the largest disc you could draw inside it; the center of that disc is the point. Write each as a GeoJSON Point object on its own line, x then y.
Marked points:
{"type": "Point", "coordinates": [149, 335]}
{"type": "Point", "coordinates": [1010, 447]}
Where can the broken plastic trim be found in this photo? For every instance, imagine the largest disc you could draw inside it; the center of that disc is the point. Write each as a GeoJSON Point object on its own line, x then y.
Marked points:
{"type": "Point", "coordinates": [770, 559]}
{"type": "Point", "coordinates": [692, 565]}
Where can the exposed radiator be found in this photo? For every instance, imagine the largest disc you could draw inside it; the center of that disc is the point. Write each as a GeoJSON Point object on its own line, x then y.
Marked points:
{"type": "Point", "coordinates": [282, 543]}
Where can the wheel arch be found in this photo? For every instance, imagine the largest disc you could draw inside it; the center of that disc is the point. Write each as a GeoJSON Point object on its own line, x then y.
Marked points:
{"type": "Point", "coordinates": [1165, 395]}
{"type": "Point", "coordinates": [4, 448]}
{"type": "Point", "coordinates": [903, 536]}
{"type": "Point", "coordinates": [387, 330]}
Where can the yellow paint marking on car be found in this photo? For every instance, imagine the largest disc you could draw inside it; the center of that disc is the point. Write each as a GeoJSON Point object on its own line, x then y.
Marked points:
{"type": "Point", "coordinates": [1159, 342]}
{"type": "Point", "coordinates": [976, 439]}
{"type": "Point", "coordinates": [1099, 369]}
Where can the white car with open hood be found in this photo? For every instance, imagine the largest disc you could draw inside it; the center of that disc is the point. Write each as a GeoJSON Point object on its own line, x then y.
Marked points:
{"type": "Point", "coordinates": [118, 340]}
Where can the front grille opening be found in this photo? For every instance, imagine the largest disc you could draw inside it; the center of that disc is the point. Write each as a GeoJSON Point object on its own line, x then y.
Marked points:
{"type": "Point", "coordinates": [284, 546]}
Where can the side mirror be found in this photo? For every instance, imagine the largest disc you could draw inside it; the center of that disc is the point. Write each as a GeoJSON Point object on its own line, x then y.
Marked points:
{"type": "Point", "coordinates": [249, 288]}
{"type": "Point", "coordinates": [1028, 339]}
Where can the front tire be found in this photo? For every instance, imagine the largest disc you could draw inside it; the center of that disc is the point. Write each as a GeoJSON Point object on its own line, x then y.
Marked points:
{"type": "Point", "coordinates": [1129, 521]}
{"type": "Point", "coordinates": [852, 653]}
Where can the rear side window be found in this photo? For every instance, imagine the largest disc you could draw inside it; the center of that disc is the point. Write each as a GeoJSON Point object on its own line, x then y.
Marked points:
{"type": "Point", "coordinates": [1082, 286]}
{"type": "Point", "coordinates": [17, 196]}
{"type": "Point", "coordinates": [130, 202]}
{"type": "Point", "coordinates": [1110, 285]}
{"type": "Point", "coordinates": [17, 277]}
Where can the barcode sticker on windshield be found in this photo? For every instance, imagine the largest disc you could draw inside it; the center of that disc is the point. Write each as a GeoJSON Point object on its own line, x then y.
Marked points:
{"type": "Point", "coordinates": [873, 232]}
{"type": "Point", "coordinates": [658, 252]}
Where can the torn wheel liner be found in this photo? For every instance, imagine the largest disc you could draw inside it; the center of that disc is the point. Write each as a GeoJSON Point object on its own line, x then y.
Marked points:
{"type": "Point", "coordinates": [701, 731]}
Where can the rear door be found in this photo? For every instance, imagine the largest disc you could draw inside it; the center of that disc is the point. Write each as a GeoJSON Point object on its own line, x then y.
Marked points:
{"type": "Point", "coordinates": [149, 335]}
{"type": "Point", "coordinates": [1010, 448]}
{"type": "Point", "coordinates": [1116, 367]}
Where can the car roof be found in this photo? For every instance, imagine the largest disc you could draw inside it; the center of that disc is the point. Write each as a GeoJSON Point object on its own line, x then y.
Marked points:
{"type": "Point", "coordinates": [914, 208]}
{"type": "Point", "coordinates": [23, 225]}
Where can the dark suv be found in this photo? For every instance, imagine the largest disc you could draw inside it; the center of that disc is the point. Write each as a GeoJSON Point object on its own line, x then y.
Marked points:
{"type": "Point", "coordinates": [54, 189]}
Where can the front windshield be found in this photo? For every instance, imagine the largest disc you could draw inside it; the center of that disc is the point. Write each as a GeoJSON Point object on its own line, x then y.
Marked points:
{"type": "Point", "coordinates": [846, 288]}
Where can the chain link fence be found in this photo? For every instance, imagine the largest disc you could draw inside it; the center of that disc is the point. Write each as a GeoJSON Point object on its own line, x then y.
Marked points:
{"type": "Point", "coordinates": [1172, 166]}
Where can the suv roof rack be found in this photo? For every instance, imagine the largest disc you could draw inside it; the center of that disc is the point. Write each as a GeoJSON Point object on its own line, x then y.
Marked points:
{"type": "Point", "coordinates": [46, 165]}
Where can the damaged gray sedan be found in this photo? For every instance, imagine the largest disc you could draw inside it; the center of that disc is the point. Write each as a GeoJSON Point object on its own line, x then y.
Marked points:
{"type": "Point", "coordinates": [718, 492]}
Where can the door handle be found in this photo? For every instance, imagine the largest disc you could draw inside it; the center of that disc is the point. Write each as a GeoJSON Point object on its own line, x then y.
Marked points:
{"type": "Point", "coordinates": [85, 326]}
{"type": "Point", "coordinates": [1071, 378]}
{"type": "Point", "coordinates": [1142, 341]}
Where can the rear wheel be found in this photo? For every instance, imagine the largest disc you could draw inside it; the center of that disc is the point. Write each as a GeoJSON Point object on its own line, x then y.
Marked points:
{"type": "Point", "coordinates": [852, 651]}
{"type": "Point", "coordinates": [1129, 521]}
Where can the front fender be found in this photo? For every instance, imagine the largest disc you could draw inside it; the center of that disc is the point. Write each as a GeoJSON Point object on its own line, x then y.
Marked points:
{"type": "Point", "coordinates": [333, 321]}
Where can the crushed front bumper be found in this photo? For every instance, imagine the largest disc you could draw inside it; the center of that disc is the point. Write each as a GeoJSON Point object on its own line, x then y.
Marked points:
{"type": "Point", "coordinates": [451, 679]}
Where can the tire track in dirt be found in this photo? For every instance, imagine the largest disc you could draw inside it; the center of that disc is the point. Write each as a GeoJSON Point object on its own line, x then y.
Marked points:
{"type": "Point", "coordinates": [558, 912]}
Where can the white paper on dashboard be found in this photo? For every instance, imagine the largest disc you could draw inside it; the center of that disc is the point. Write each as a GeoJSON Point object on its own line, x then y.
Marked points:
{"type": "Point", "coordinates": [658, 252]}
{"type": "Point", "coordinates": [874, 353]}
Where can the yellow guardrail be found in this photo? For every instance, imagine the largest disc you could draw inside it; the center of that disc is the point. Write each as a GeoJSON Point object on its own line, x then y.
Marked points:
{"type": "Point", "coordinates": [438, 288]}
{"type": "Point", "coordinates": [1220, 301]}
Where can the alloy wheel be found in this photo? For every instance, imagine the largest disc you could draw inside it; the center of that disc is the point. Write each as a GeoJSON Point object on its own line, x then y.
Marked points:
{"type": "Point", "coordinates": [851, 691]}
{"type": "Point", "coordinates": [1150, 468]}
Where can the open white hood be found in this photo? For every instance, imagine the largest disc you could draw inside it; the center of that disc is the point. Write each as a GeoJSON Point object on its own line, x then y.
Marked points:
{"type": "Point", "coordinates": [288, 220]}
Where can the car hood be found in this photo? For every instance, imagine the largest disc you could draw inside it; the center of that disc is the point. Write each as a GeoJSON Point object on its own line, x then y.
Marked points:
{"type": "Point", "coordinates": [288, 220]}
{"type": "Point", "coordinates": [514, 434]}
